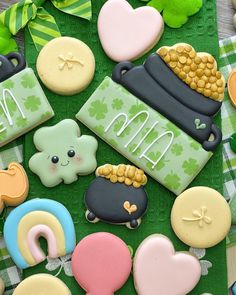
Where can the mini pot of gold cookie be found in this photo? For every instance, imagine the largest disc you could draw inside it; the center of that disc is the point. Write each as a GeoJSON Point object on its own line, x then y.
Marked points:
{"type": "Point", "coordinates": [117, 195]}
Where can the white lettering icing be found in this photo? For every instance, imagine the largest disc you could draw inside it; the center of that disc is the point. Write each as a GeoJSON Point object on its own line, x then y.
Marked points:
{"type": "Point", "coordinates": [143, 155]}
{"type": "Point", "coordinates": [128, 122]}
{"type": "Point", "coordinates": [6, 110]}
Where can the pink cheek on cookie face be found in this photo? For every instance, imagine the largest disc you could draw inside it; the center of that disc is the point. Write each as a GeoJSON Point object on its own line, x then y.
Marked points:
{"type": "Point", "coordinates": [78, 159]}
{"type": "Point", "coordinates": [53, 168]}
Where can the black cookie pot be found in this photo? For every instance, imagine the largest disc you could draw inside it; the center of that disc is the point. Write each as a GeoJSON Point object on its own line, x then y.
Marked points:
{"type": "Point", "coordinates": [156, 85]}
{"type": "Point", "coordinates": [107, 201]}
{"type": "Point", "coordinates": [10, 65]}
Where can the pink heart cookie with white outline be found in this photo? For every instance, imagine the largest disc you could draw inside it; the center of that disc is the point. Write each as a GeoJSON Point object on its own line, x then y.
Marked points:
{"type": "Point", "coordinates": [158, 269]}
{"type": "Point", "coordinates": [127, 33]}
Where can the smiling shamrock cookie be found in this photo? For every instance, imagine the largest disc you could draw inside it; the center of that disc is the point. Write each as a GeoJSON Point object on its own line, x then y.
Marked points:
{"type": "Point", "coordinates": [196, 69]}
{"type": "Point", "coordinates": [158, 269]}
{"type": "Point", "coordinates": [196, 217]}
{"type": "Point", "coordinates": [117, 195]}
{"type": "Point", "coordinates": [63, 153]}
{"type": "Point", "coordinates": [42, 284]}
{"type": "Point", "coordinates": [66, 65]}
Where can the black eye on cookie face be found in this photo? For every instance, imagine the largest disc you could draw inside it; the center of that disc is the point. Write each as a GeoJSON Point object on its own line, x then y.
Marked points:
{"type": "Point", "coordinates": [71, 153]}
{"type": "Point", "coordinates": [55, 159]}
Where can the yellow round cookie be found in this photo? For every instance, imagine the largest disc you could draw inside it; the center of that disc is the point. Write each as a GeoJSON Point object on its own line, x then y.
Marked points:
{"type": "Point", "coordinates": [66, 65]}
{"type": "Point", "coordinates": [42, 284]}
{"type": "Point", "coordinates": [201, 217]}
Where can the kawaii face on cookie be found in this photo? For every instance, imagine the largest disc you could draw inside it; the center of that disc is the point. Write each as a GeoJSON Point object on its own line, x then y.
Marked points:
{"type": "Point", "coordinates": [63, 153]}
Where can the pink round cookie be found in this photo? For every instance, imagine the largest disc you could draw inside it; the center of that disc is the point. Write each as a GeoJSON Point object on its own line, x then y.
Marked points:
{"type": "Point", "coordinates": [158, 269]}
{"type": "Point", "coordinates": [101, 263]}
{"type": "Point", "coordinates": [127, 33]}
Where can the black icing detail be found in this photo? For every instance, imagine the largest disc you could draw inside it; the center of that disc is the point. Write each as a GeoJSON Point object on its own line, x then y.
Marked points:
{"type": "Point", "coordinates": [55, 159]}
{"type": "Point", "coordinates": [7, 66]}
{"type": "Point", "coordinates": [106, 199]}
{"type": "Point", "coordinates": [71, 153]}
{"type": "Point", "coordinates": [163, 75]}
{"type": "Point", "coordinates": [139, 82]}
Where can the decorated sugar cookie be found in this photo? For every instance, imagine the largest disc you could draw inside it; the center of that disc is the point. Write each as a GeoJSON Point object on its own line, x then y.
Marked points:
{"type": "Point", "coordinates": [2, 286]}
{"type": "Point", "coordinates": [66, 65]}
{"type": "Point", "coordinates": [176, 12]}
{"type": "Point", "coordinates": [32, 220]}
{"type": "Point", "coordinates": [63, 153]}
{"type": "Point", "coordinates": [117, 195]}
{"type": "Point", "coordinates": [42, 284]}
{"type": "Point", "coordinates": [196, 217]}
{"type": "Point", "coordinates": [158, 269]}
{"type": "Point", "coordinates": [127, 33]}
{"type": "Point", "coordinates": [196, 69]}
{"type": "Point", "coordinates": [139, 112]}
{"type": "Point", "coordinates": [232, 87]}
{"type": "Point", "coordinates": [101, 263]}
{"type": "Point", "coordinates": [23, 104]}
{"type": "Point", "coordinates": [14, 186]}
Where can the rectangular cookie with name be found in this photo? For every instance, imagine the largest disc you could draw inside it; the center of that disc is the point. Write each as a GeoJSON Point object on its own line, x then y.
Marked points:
{"type": "Point", "coordinates": [23, 105]}
{"type": "Point", "coordinates": [143, 136]}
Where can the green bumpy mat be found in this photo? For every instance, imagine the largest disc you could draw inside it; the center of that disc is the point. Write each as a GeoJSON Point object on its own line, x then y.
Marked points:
{"type": "Point", "coordinates": [201, 32]}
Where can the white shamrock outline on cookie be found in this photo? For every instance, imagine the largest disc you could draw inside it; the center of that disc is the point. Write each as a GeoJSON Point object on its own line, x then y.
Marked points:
{"type": "Point", "coordinates": [61, 263]}
{"type": "Point", "coordinates": [205, 264]}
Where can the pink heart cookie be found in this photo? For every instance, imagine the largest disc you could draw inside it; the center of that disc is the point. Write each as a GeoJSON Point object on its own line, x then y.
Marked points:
{"type": "Point", "coordinates": [158, 269]}
{"type": "Point", "coordinates": [127, 33]}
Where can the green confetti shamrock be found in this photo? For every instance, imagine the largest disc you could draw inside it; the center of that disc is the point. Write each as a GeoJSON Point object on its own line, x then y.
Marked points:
{"type": "Point", "coordinates": [135, 109]}
{"type": "Point", "coordinates": [190, 166]}
{"type": "Point", "coordinates": [177, 149]}
{"type": "Point", "coordinates": [8, 84]}
{"type": "Point", "coordinates": [98, 110]}
{"type": "Point", "coordinates": [117, 104]}
{"type": "Point", "coordinates": [172, 181]}
{"type": "Point", "coordinates": [21, 122]}
{"type": "Point", "coordinates": [176, 12]}
{"type": "Point", "coordinates": [11, 105]}
{"type": "Point", "coordinates": [7, 43]}
{"type": "Point", "coordinates": [32, 103]}
{"type": "Point", "coordinates": [119, 125]}
{"type": "Point", "coordinates": [28, 81]}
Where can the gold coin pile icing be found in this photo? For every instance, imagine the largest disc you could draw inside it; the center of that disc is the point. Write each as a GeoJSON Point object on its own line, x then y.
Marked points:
{"type": "Point", "coordinates": [130, 175]}
{"type": "Point", "coordinates": [198, 70]}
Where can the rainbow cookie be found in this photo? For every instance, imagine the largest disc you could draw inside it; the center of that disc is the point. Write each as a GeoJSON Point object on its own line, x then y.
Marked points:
{"type": "Point", "coordinates": [158, 269]}
{"type": "Point", "coordinates": [14, 186]}
{"type": "Point", "coordinates": [63, 153]}
{"type": "Point", "coordinates": [42, 284]}
{"type": "Point", "coordinates": [101, 263]}
{"type": "Point", "coordinates": [33, 219]}
{"type": "Point", "coordinates": [117, 195]}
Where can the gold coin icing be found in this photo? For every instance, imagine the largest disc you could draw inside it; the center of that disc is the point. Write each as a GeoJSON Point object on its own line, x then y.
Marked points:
{"type": "Point", "coordinates": [198, 70]}
{"type": "Point", "coordinates": [130, 175]}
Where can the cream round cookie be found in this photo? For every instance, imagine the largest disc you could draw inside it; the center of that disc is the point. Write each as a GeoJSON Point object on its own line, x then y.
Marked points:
{"type": "Point", "coordinates": [201, 217]}
{"type": "Point", "coordinates": [66, 65]}
{"type": "Point", "coordinates": [42, 284]}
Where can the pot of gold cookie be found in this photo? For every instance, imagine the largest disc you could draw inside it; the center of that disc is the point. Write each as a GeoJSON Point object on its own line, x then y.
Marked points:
{"type": "Point", "coordinates": [117, 195]}
{"type": "Point", "coordinates": [182, 79]}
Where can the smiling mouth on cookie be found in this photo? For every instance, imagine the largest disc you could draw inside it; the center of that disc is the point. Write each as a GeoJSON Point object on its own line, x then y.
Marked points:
{"type": "Point", "coordinates": [64, 165]}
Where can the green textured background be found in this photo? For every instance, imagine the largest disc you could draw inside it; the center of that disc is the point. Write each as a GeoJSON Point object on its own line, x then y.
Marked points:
{"type": "Point", "coordinates": [201, 32]}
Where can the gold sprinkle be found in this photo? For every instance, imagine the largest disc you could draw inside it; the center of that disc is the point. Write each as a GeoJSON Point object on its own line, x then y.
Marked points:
{"type": "Point", "coordinates": [167, 58]}
{"type": "Point", "coordinates": [192, 74]}
{"type": "Point", "coordinates": [192, 54]}
{"type": "Point", "coordinates": [204, 59]}
{"type": "Point", "coordinates": [163, 52]}
{"type": "Point", "coordinates": [193, 85]}
{"type": "Point", "coordinates": [182, 59]}
{"type": "Point", "coordinates": [173, 64]}
{"type": "Point", "coordinates": [219, 83]}
{"type": "Point", "coordinates": [186, 69]}
{"type": "Point", "coordinates": [197, 60]}
{"type": "Point", "coordinates": [182, 75]}
{"type": "Point", "coordinates": [180, 49]}
{"type": "Point", "coordinates": [207, 92]}
{"type": "Point", "coordinates": [210, 66]}
{"type": "Point", "coordinates": [201, 84]}
{"type": "Point", "coordinates": [215, 95]}
{"type": "Point", "coordinates": [214, 87]}
{"type": "Point", "coordinates": [199, 72]}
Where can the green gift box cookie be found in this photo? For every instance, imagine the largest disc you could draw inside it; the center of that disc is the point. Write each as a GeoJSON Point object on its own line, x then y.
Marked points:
{"type": "Point", "coordinates": [23, 105]}
{"type": "Point", "coordinates": [144, 136]}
